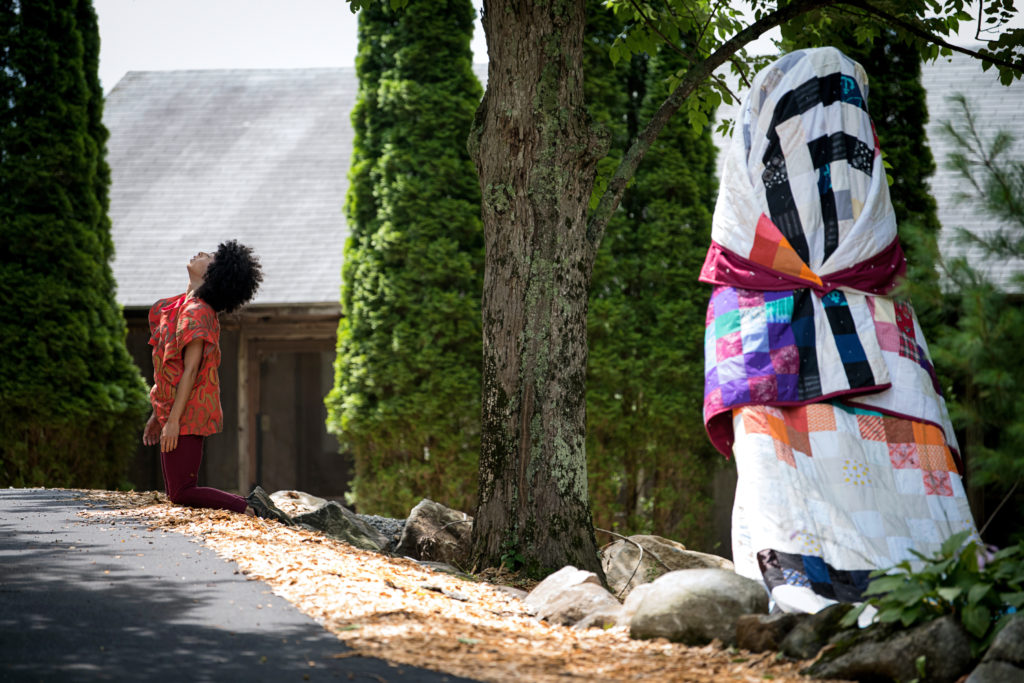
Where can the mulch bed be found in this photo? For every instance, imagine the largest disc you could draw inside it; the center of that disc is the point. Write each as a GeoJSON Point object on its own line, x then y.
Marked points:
{"type": "Point", "coordinates": [396, 609]}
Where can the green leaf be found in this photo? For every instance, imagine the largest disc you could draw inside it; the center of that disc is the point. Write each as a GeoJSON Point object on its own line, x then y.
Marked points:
{"type": "Point", "coordinates": [890, 614]}
{"type": "Point", "coordinates": [911, 616]}
{"type": "Point", "coordinates": [976, 619]}
{"type": "Point", "coordinates": [885, 584]}
{"type": "Point", "coordinates": [1014, 600]}
{"type": "Point", "coordinates": [954, 542]}
{"type": "Point", "coordinates": [977, 592]}
{"type": "Point", "coordinates": [850, 618]}
{"type": "Point", "coordinates": [949, 594]}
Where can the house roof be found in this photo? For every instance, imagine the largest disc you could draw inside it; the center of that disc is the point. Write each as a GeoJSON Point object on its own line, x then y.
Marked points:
{"type": "Point", "coordinates": [997, 107]}
{"type": "Point", "coordinates": [262, 156]}
{"type": "Point", "coordinates": [199, 157]}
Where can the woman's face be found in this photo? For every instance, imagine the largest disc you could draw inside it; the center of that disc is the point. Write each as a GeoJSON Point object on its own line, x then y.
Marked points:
{"type": "Point", "coordinates": [198, 265]}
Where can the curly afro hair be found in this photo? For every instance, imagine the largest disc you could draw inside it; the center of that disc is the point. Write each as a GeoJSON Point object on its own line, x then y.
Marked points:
{"type": "Point", "coordinates": [232, 279]}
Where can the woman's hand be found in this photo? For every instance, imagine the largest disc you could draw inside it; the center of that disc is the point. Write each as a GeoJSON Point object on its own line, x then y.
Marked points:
{"type": "Point", "coordinates": [169, 436]}
{"type": "Point", "coordinates": [151, 435]}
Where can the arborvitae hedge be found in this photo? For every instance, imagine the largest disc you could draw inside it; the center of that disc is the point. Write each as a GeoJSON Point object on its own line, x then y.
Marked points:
{"type": "Point", "coordinates": [71, 401]}
{"type": "Point", "coordinates": [406, 399]}
{"type": "Point", "coordinates": [650, 465]}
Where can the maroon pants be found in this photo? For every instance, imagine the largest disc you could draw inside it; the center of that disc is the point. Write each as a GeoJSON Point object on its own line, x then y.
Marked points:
{"type": "Point", "coordinates": [181, 473]}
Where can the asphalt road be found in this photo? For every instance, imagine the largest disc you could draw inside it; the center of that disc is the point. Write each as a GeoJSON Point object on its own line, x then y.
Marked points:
{"type": "Point", "coordinates": [112, 601]}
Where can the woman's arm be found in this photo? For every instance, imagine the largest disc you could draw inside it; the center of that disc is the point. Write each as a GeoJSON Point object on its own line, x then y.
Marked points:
{"type": "Point", "coordinates": [192, 356]}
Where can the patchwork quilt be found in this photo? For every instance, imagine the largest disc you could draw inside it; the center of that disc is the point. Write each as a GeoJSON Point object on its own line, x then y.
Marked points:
{"type": "Point", "coordinates": [817, 381]}
{"type": "Point", "coordinates": [828, 492]}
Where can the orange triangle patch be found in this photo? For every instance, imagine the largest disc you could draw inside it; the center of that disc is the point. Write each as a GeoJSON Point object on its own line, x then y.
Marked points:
{"type": "Point", "coordinates": [784, 257]}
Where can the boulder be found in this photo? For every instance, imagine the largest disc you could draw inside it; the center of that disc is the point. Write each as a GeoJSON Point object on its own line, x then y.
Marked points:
{"type": "Point", "coordinates": [885, 653]}
{"type": "Point", "coordinates": [626, 567]}
{"type": "Point", "coordinates": [814, 631]}
{"type": "Point", "coordinates": [763, 632]}
{"type": "Point", "coordinates": [604, 617]}
{"type": "Point", "coordinates": [555, 584]}
{"type": "Point", "coordinates": [695, 606]}
{"type": "Point", "coordinates": [632, 603]}
{"type": "Point", "coordinates": [391, 528]}
{"type": "Point", "coordinates": [1004, 660]}
{"type": "Point", "coordinates": [437, 533]}
{"type": "Point", "coordinates": [996, 672]}
{"type": "Point", "coordinates": [585, 604]}
{"type": "Point", "coordinates": [296, 503]}
{"type": "Point", "coordinates": [340, 523]}
{"type": "Point", "coordinates": [573, 597]}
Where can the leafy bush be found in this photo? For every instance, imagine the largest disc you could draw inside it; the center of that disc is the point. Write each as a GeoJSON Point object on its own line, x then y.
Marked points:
{"type": "Point", "coordinates": [72, 404]}
{"type": "Point", "coordinates": [406, 397]}
{"type": "Point", "coordinates": [650, 464]}
{"type": "Point", "coordinates": [980, 589]}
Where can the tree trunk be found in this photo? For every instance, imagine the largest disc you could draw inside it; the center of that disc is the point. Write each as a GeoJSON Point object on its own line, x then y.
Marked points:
{"type": "Point", "coordinates": [536, 154]}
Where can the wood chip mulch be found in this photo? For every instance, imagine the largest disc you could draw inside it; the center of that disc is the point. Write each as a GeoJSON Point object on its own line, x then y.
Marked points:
{"type": "Point", "coordinates": [400, 611]}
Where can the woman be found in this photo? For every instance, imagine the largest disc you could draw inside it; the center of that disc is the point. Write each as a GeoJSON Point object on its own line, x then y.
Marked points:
{"type": "Point", "coordinates": [816, 381]}
{"type": "Point", "coordinates": [185, 335]}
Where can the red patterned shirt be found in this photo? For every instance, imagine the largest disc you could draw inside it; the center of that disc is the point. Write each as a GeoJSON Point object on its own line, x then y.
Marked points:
{"type": "Point", "coordinates": [173, 323]}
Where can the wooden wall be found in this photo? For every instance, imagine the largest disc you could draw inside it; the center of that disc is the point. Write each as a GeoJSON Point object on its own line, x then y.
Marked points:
{"type": "Point", "coordinates": [276, 368]}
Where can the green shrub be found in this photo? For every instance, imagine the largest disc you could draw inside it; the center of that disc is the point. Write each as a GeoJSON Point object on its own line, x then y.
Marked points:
{"type": "Point", "coordinates": [981, 591]}
{"type": "Point", "coordinates": [406, 398]}
{"type": "Point", "coordinates": [71, 401]}
{"type": "Point", "coordinates": [650, 465]}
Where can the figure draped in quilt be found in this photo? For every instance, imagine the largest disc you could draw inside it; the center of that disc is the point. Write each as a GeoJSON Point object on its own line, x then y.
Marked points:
{"type": "Point", "coordinates": [816, 380]}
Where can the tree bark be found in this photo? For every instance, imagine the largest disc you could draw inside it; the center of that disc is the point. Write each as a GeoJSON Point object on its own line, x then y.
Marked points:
{"type": "Point", "coordinates": [536, 155]}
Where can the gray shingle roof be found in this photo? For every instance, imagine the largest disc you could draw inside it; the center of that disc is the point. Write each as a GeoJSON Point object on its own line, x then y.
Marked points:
{"type": "Point", "coordinates": [996, 107]}
{"type": "Point", "coordinates": [198, 157]}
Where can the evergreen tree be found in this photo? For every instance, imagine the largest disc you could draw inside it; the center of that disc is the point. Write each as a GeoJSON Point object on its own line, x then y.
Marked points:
{"type": "Point", "coordinates": [406, 400]}
{"type": "Point", "coordinates": [649, 461]}
{"type": "Point", "coordinates": [984, 326]}
{"type": "Point", "coordinates": [71, 401]}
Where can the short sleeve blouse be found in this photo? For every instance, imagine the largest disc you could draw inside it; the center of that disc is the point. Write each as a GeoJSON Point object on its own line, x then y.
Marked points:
{"type": "Point", "coordinates": [173, 323]}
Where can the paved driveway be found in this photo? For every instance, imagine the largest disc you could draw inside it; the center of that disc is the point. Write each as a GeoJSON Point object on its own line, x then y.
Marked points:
{"type": "Point", "coordinates": [112, 601]}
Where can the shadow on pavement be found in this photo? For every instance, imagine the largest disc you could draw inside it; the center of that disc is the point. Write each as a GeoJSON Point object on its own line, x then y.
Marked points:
{"type": "Point", "coordinates": [95, 602]}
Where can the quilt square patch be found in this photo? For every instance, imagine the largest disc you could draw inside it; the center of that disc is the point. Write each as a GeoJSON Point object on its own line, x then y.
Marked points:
{"type": "Point", "coordinates": [897, 430]}
{"type": "Point", "coordinates": [904, 456]}
{"type": "Point", "coordinates": [871, 427]}
{"type": "Point", "coordinates": [937, 483]}
{"type": "Point", "coordinates": [763, 389]}
{"type": "Point", "coordinates": [821, 417]}
{"type": "Point", "coordinates": [729, 346]}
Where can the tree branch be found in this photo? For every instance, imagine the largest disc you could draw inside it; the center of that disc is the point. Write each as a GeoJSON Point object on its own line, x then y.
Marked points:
{"type": "Point", "coordinates": [610, 200]}
{"type": "Point", "coordinates": [930, 37]}
{"type": "Point", "coordinates": [652, 27]}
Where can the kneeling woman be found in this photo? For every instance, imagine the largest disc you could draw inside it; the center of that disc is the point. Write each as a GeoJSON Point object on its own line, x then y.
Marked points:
{"type": "Point", "coordinates": [185, 335]}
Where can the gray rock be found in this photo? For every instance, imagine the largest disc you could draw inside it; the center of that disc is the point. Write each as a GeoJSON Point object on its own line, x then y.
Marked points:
{"type": "Point", "coordinates": [442, 567]}
{"type": "Point", "coordinates": [1004, 660]}
{"type": "Point", "coordinates": [996, 672]}
{"type": "Point", "coordinates": [886, 654]}
{"type": "Point", "coordinates": [296, 502]}
{"type": "Point", "coordinates": [438, 533]}
{"type": "Point", "coordinates": [1008, 645]}
{"type": "Point", "coordinates": [626, 567]}
{"type": "Point", "coordinates": [511, 590]}
{"type": "Point", "coordinates": [342, 524]}
{"type": "Point", "coordinates": [604, 617]}
{"type": "Point", "coordinates": [813, 632]}
{"type": "Point", "coordinates": [391, 528]}
{"type": "Point", "coordinates": [555, 584]}
{"type": "Point", "coordinates": [763, 632]}
{"type": "Point", "coordinates": [585, 602]}
{"type": "Point", "coordinates": [632, 603]}
{"type": "Point", "coordinates": [695, 606]}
